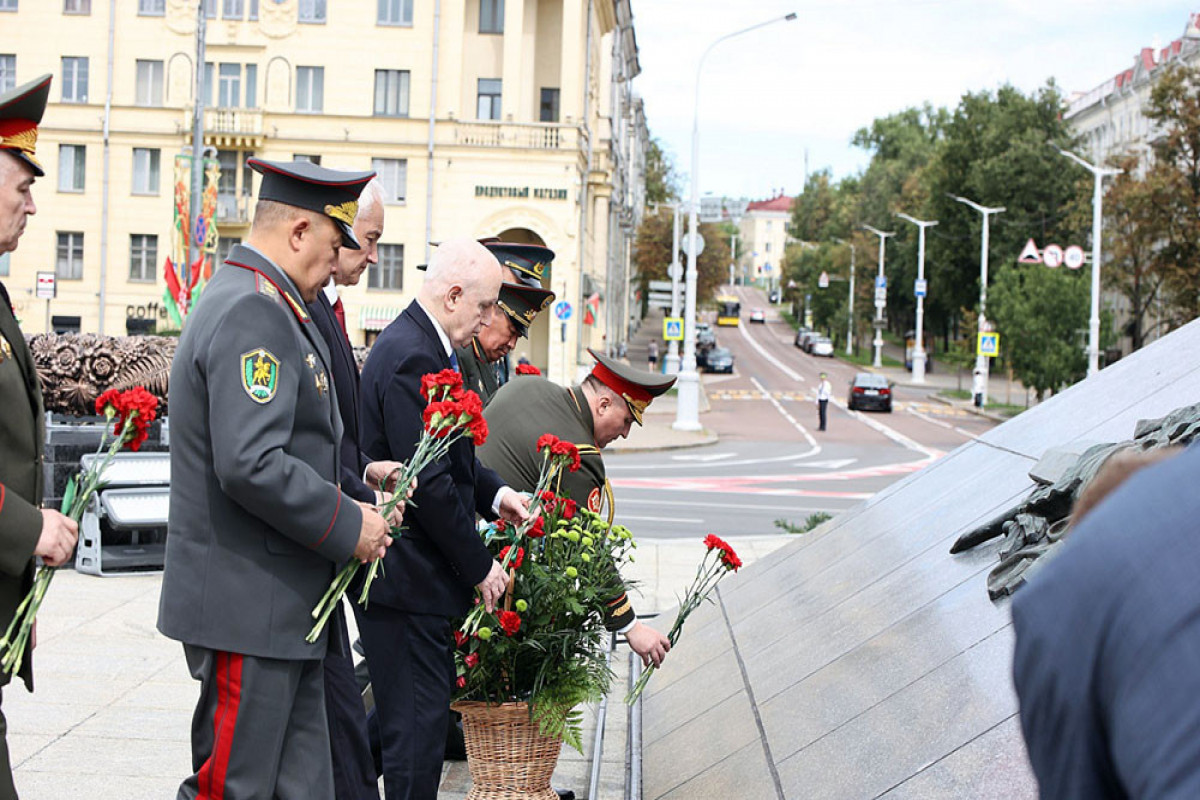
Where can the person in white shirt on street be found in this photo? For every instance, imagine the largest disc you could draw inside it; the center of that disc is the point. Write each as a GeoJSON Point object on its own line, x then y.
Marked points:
{"type": "Point", "coordinates": [824, 392]}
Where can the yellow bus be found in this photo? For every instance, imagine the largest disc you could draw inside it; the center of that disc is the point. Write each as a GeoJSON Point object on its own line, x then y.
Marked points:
{"type": "Point", "coordinates": [728, 310]}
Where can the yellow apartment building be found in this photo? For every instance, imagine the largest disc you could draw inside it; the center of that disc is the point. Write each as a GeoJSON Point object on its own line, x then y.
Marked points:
{"type": "Point", "coordinates": [763, 237]}
{"type": "Point", "coordinates": [509, 118]}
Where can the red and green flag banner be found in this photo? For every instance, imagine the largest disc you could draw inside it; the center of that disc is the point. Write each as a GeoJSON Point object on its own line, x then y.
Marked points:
{"type": "Point", "coordinates": [179, 295]}
{"type": "Point", "coordinates": [591, 309]}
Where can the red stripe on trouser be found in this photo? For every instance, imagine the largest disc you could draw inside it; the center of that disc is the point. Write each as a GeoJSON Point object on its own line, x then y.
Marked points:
{"type": "Point", "coordinates": [211, 778]}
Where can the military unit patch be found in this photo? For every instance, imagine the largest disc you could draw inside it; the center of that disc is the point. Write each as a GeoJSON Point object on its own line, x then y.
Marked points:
{"type": "Point", "coordinates": [260, 375]}
{"type": "Point", "coordinates": [593, 500]}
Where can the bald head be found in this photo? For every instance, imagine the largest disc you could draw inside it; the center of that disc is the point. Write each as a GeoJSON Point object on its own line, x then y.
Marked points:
{"type": "Point", "coordinates": [461, 285]}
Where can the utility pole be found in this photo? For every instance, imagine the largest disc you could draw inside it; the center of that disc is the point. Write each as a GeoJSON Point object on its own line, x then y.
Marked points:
{"type": "Point", "coordinates": [880, 294]}
{"type": "Point", "coordinates": [850, 301]}
{"type": "Point", "coordinates": [197, 149]}
{"type": "Point", "coordinates": [982, 362]}
{"type": "Point", "coordinates": [1098, 175]}
{"type": "Point", "coordinates": [918, 359]}
{"type": "Point", "coordinates": [676, 271]}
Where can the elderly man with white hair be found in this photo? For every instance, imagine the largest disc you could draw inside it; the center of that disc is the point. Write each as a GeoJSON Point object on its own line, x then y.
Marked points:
{"type": "Point", "coordinates": [430, 573]}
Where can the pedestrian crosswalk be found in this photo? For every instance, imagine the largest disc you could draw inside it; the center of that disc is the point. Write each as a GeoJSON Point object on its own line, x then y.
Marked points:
{"type": "Point", "coordinates": [935, 409]}
{"type": "Point", "coordinates": [927, 408]}
{"type": "Point", "coordinates": [754, 394]}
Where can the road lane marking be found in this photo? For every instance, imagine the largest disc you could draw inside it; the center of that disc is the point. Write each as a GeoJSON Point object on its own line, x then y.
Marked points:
{"type": "Point", "coordinates": [941, 424]}
{"type": "Point", "coordinates": [705, 458]}
{"type": "Point", "coordinates": [816, 448]}
{"type": "Point", "coordinates": [682, 520]}
{"type": "Point", "coordinates": [730, 506]}
{"type": "Point", "coordinates": [784, 368]}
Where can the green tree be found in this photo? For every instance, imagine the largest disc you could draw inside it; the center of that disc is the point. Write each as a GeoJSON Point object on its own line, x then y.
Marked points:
{"type": "Point", "coordinates": [662, 180]}
{"type": "Point", "coordinates": [652, 254]}
{"type": "Point", "coordinates": [1042, 316]}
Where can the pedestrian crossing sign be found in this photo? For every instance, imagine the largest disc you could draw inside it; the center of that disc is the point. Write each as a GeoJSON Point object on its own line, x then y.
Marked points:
{"type": "Point", "coordinates": [989, 344]}
{"type": "Point", "coordinates": [673, 329]}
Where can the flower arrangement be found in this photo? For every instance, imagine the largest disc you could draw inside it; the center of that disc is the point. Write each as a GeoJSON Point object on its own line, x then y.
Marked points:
{"type": "Point", "coordinates": [451, 414]}
{"type": "Point", "coordinates": [719, 560]}
{"type": "Point", "coordinates": [545, 645]}
{"type": "Point", "coordinates": [131, 413]}
{"type": "Point", "coordinates": [528, 369]}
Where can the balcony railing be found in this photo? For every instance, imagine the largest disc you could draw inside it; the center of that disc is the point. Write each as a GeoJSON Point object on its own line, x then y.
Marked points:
{"type": "Point", "coordinates": [231, 126]}
{"type": "Point", "coordinates": [524, 136]}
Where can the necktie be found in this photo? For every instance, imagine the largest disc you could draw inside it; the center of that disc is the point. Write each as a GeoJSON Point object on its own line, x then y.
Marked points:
{"type": "Point", "coordinates": [340, 313]}
{"type": "Point", "coordinates": [454, 361]}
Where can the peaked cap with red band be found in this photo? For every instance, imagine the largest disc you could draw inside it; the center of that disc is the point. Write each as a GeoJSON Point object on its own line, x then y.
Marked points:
{"type": "Point", "coordinates": [635, 386]}
{"type": "Point", "coordinates": [21, 110]}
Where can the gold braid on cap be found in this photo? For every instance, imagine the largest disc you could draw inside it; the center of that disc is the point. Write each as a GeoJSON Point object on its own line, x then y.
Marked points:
{"type": "Point", "coordinates": [525, 317]}
{"type": "Point", "coordinates": [344, 212]}
{"type": "Point", "coordinates": [25, 141]}
{"type": "Point", "coordinates": [537, 267]}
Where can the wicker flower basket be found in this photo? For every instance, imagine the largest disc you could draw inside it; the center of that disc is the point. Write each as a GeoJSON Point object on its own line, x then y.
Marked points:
{"type": "Point", "coordinates": [508, 757]}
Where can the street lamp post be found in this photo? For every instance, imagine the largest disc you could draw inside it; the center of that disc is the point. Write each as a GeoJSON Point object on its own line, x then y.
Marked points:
{"type": "Point", "coordinates": [918, 367]}
{"type": "Point", "coordinates": [1098, 174]}
{"type": "Point", "coordinates": [982, 362]}
{"type": "Point", "coordinates": [880, 298]}
{"type": "Point", "coordinates": [675, 269]}
{"type": "Point", "coordinates": [850, 301]}
{"type": "Point", "coordinates": [687, 415]}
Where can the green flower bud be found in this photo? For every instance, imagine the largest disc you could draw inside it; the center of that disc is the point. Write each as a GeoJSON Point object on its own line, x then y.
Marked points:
{"type": "Point", "coordinates": [573, 536]}
{"type": "Point", "coordinates": [484, 633]}
{"type": "Point", "coordinates": [586, 558]}
{"type": "Point", "coordinates": [522, 606]}
{"type": "Point", "coordinates": [572, 572]}
{"type": "Point", "coordinates": [588, 541]}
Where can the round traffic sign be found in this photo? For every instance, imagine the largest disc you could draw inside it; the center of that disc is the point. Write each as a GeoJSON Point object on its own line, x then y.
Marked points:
{"type": "Point", "coordinates": [1052, 256]}
{"type": "Point", "coordinates": [562, 310]}
{"type": "Point", "coordinates": [1073, 257]}
{"type": "Point", "coordinates": [685, 244]}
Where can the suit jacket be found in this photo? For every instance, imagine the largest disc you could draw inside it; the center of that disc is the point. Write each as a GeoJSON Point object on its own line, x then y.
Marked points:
{"type": "Point", "coordinates": [520, 413]}
{"type": "Point", "coordinates": [478, 375]}
{"type": "Point", "coordinates": [258, 525]}
{"type": "Point", "coordinates": [1108, 643]}
{"type": "Point", "coordinates": [433, 566]}
{"type": "Point", "coordinates": [346, 380]}
{"type": "Point", "coordinates": [22, 435]}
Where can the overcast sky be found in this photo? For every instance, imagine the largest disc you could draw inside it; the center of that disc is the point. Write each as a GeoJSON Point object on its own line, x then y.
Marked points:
{"type": "Point", "coordinates": [768, 95]}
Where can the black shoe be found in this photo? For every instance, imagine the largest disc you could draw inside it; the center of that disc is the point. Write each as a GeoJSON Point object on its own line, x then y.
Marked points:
{"type": "Point", "coordinates": [565, 794]}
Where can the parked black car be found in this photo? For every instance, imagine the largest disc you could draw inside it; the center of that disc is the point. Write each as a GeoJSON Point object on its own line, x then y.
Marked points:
{"type": "Point", "coordinates": [870, 391]}
{"type": "Point", "coordinates": [719, 359]}
{"type": "Point", "coordinates": [800, 334]}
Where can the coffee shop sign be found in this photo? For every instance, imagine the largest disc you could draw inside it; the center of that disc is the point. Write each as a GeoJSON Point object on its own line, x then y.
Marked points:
{"type": "Point", "coordinates": [537, 193]}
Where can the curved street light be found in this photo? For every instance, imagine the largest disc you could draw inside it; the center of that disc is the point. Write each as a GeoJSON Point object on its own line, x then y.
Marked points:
{"type": "Point", "coordinates": [982, 362]}
{"type": "Point", "coordinates": [687, 415]}
{"type": "Point", "coordinates": [918, 356]}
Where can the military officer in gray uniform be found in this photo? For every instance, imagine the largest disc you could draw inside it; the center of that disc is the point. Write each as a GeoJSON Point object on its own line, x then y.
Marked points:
{"type": "Point", "coordinates": [590, 415]}
{"type": "Point", "coordinates": [520, 304]}
{"type": "Point", "coordinates": [258, 524]}
{"type": "Point", "coordinates": [26, 530]}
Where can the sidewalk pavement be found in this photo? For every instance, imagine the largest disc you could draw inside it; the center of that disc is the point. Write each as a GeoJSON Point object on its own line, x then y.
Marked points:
{"type": "Point", "coordinates": [112, 713]}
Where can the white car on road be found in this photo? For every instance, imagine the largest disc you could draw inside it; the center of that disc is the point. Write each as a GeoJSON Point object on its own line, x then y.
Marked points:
{"type": "Point", "coordinates": [822, 346]}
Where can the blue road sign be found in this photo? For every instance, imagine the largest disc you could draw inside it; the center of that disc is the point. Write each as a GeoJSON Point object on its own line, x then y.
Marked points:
{"type": "Point", "coordinates": [880, 281]}
{"type": "Point", "coordinates": [989, 344]}
{"type": "Point", "coordinates": [562, 310]}
{"type": "Point", "coordinates": [919, 288]}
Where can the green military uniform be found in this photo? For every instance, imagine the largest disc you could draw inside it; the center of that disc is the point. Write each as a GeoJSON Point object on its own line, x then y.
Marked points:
{"type": "Point", "coordinates": [528, 407]}
{"type": "Point", "coordinates": [22, 424]}
{"type": "Point", "coordinates": [520, 304]}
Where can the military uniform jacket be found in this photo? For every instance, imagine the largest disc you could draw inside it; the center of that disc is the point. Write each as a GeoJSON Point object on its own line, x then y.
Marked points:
{"type": "Point", "coordinates": [22, 434]}
{"type": "Point", "coordinates": [257, 526]}
{"type": "Point", "coordinates": [523, 410]}
{"type": "Point", "coordinates": [346, 381]}
{"type": "Point", "coordinates": [478, 375]}
{"type": "Point", "coordinates": [439, 558]}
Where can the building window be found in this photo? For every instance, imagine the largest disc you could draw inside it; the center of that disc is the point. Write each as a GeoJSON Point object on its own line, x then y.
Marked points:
{"type": "Point", "coordinates": [549, 107]}
{"type": "Point", "coordinates": [229, 86]}
{"type": "Point", "coordinates": [251, 86]}
{"type": "Point", "coordinates": [312, 11]}
{"type": "Point", "coordinates": [152, 8]}
{"type": "Point", "coordinates": [391, 92]}
{"type": "Point", "coordinates": [233, 9]}
{"type": "Point", "coordinates": [210, 9]}
{"type": "Point", "coordinates": [210, 79]}
{"type": "Point", "coordinates": [491, 16]}
{"type": "Point", "coordinates": [253, 16]}
{"type": "Point", "coordinates": [768, 246]}
{"type": "Point", "coordinates": [310, 89]}
{"type": "Point", "coordinates": [8, 5]}
{"type": "Point", "coordinates": [75, 79]}
{"type": "Point", "coordinates": [8, 72]}
{"type": "Point", "coordinates": [145, 170]}
{"type": "Point", "coordinates": [393, 174]}
{"type": "Point", "coordinates": [4, 259]}
{"type": "Point", "coordinates": [224, 245]}
{"type": "Point", "coordinates": [389, 272]}
{"type": "Point", "coordinates": [489, 99]}
{"type": "Point", "coordinates": [149, 83]}
{"type": "Point", "coordinates": [77, 6]}
{"type": "Point", "coordinates": [69, 264]}
{"type": "Point", "coordinates": [309, 158]}
{"type": "Point", "coordinates": [72, 165]}
{"type": "Point", "coordinates": [395, 12]}
{"type": "Point", "coordinates": [143, 253]}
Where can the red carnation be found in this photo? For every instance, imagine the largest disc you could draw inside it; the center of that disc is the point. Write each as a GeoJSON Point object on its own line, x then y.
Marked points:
{"type": "Point", "coordinates": [730, 560]}
{"type": "Point", "coordinates": [546, 442]}
{"type": "Point", "coordinates": [567, 506]}
{"type": "Point", "coordinates": [444, 411]}
{"type": "Point", "coordinates": [460, 638]}
{"type": "Point", "coordinates": [538, 529]}
{"type": "Point", "coordinates": [510, 621]}
{"type": "Point", "coordinates": [471, 660]}
{"type": "Point", "coordinates": [517, 560]}
{"type": "Point", "coordinates": [437, 385]}
{"type": "Point", "coordinates": [110, 398]}
{"type": "Point", "coordinates": [478, 431]}
{"type": "Point", "coordinates": [528, 369]}
{"type": "Point", "coordinates": [567, 451]}
{"type": "Point", "coordinates": [461, 682]}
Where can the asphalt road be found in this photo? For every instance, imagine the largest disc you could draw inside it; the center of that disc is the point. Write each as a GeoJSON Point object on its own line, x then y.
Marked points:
{"type": "Point", "coordinates": [771, 462]}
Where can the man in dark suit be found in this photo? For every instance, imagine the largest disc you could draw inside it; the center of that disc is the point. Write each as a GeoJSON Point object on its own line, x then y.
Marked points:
{"type": "Point", "coordinates": [258, 525]}
{"type": "Point", "coordinates": [354, 776]}
{"type": "Point", "coordinates": [1108, 646]}
{"type": "Point", "coordinates": [430, 571]}
{"type": "Point", "coordinates": [25, 529]}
